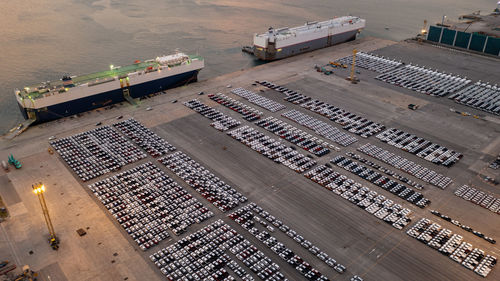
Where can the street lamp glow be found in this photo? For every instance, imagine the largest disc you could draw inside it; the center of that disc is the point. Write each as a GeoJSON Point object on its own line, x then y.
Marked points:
{"type": "Point", "coordinates": [40, 188]}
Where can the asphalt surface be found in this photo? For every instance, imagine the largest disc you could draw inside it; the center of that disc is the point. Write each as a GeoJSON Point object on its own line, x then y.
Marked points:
{"type": "Point", "coordinates": [367, 246]}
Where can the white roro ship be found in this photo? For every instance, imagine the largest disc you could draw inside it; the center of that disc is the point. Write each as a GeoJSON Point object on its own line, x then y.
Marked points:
{"type": "Point", "coordinates": [284, 42]}
{"type": "Point", "coordinates": [71, 95]}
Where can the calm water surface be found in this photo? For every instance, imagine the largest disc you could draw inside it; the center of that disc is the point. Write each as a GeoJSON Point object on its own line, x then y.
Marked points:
{"type": "Point", "coordinates": [41, 40]}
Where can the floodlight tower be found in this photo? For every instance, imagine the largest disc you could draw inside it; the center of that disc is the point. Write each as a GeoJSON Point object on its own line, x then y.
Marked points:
{"type": "Point", "coordinates": [39, 190]}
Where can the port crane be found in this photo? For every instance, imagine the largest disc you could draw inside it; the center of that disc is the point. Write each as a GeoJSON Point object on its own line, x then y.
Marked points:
{"type": "Point", "coordinates": [352, 77]}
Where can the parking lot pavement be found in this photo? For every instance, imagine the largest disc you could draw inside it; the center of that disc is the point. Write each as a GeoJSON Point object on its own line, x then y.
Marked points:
{"type": "Point", "coordinates": [279, 196]}
{"type": "Point", "coordinates": [364, 127]}
{"type": "Point", "coordinates": [349, 121]}
{"type": "Point", "coordinates": [51, 272]}
{"type": "Point", "coordinates": [8, 192]}
{"type": "Point", "coordinates": [452, 245]}
{"type": "Point", "coordinates": [370, 201]}
{"type": "Point", "coordinates": [71, 207]}
{"type": "Point", "coordinates": [448, 132]}
{"type": "Point", "coordinates": [248, 219]}
{"type": "Point", "coordinates": [463, 226]}
{"type": "Point", "coordinates": [365, 245]}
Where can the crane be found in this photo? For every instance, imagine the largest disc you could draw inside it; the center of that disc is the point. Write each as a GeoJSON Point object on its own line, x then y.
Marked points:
{"type": "Point", "coordinates": [352, 77]}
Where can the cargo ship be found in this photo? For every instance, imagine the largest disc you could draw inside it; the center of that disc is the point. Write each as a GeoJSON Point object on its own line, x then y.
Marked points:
{"type": "Point", "coordinates": [285, 42]}
{"type": "Point", "coordinates": [76, 94]}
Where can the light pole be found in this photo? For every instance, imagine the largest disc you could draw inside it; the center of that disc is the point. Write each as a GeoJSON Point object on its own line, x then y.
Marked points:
{"type": "Point", "coordinates": [39, 190]}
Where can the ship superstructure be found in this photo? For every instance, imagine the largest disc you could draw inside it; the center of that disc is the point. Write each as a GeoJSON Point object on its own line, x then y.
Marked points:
{"type": "Point", "coordinates": [284, 42]}
{"type": "Point", "coordinates": [75, 94]}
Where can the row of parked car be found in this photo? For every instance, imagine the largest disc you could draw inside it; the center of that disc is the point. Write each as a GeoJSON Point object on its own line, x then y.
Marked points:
{"type": "Point", "coordinates": [371, 62]}
{"type": "Point", "coordinates": [452, 245]}
{"type": "Point", "coordinates": [290, 95]}
{"type": "Point", "coordinates": [495, 164]}
{"type": "Point", "coordinates": [144, 137]}
{"type": "Point", "coordinates": [425, 149]}
{"type": "Point", "coordinates": [204, 254]}
{"type": "Point", "coordinates": [463, 226]}
{"type": "Point", "coordinates": [382, 181]}
{"type": "Point", "coordinates": [479, 95]}
{"type": "Point", "coordinates": [376, 204]}
{"type": "Point", "coordinates": [349, 121]}
{"type": "Point", "coordinates": [221, 121]}
{"type": "Point", "coordinates": [258, 99]}
{"type": "Point", "coordinates": [296, 97]}
{"type": "Point", "coordinates": [251, 215]}
{"type": "Point", "coordinates": [249, 113]}
{"type": "Point", "coordinates": [384, 170]}
{"type": "Point", "coordinates": [96, 152]}
{"type": "Point", "coordinates": [424, 80]}
{"type": "Point", "coordinates": [425, 174]}
{"type": "Point", "coordinates": [247, 220]}
{"type": "Point", "coordinates": [296, 136]}
{"type": "Point", "coordinates": [272, 149]}
{"type": "Point", "coordinates": [146, 202]}
{"type": "Point", "coordinates": [479, 197]}
{"type": "Point", "coordinates": [321, 128]}
{"type": "Point", "coordinates": [212, 188]}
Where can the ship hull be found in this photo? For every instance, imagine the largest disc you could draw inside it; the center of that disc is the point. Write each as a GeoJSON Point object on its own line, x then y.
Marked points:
{"type": "Point", "coordinates": [107, 98]}
{"type": "Point", "coordinates": [270, 54]}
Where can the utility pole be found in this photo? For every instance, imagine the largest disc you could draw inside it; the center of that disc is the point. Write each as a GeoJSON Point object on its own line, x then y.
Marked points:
{"type": "Point", "coordinates": [39, 190]}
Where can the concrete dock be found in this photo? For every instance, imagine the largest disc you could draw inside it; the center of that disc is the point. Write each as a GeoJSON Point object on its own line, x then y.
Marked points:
{"type": "Point", "coordinates": [367, 246]}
